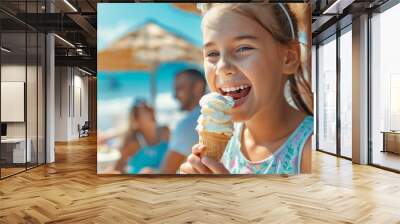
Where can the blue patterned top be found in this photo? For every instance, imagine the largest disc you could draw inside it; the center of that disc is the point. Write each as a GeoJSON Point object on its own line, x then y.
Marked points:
{"type": "Point", "coordinates": [285, 160]}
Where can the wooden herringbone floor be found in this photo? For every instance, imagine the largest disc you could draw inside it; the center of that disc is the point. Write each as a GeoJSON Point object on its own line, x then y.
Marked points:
{"type": "Point", "coordinates": [69, 191]}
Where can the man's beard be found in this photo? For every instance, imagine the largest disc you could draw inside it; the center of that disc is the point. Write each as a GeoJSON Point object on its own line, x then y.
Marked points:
{"type": "Point", "coordinates": [188, 103]}
{"type": "Point", "coordinates": [184, 106]}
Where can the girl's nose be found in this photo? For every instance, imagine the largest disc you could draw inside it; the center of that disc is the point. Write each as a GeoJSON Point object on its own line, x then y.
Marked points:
{"type": "Point", "coordinates": [224, 66]}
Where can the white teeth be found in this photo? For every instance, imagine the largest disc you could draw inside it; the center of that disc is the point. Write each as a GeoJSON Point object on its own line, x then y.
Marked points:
{"type": "Point", "coordinates": [232, 89]}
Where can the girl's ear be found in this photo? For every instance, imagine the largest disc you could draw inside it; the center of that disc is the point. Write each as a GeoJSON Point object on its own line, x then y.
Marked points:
{"type": "Point", "coordinates": [291, 58]}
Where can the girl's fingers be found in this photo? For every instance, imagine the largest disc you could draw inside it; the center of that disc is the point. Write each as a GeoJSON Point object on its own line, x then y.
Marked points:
{"type": "Point", "coordinates": [146, 170]}
{"type": "Point", "coordinates": [186, 168]}
{"type": "Point", "coordinates": [197, 149]}
{"type": "Point", "coordinates": [214, 166]}
{"type": "Point", "coordinates": [197, 165]}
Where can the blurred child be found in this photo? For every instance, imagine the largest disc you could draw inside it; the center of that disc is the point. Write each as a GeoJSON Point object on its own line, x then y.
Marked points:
{"type": "Point", "coordinates": [145, 144]}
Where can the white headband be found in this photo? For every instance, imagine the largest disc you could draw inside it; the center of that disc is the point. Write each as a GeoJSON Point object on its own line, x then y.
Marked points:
{"type": "Point", "coordinates": [201, 7]}
{"type": "Point", "coordinates": [289, 19]}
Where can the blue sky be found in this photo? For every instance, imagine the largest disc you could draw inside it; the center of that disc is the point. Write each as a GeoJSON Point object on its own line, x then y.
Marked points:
{"type": "Point", "coordinates": [116, 19]}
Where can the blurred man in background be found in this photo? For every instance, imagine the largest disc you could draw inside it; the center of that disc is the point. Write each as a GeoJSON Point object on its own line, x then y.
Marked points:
{"type": "Point", "coordinates": [190, 86]}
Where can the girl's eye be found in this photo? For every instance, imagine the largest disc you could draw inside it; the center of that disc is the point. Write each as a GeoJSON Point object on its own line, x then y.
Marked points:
{"type": "Point", "coordinates": [244, 49]}
{"type": "Point", "coordinates": [212, 54]}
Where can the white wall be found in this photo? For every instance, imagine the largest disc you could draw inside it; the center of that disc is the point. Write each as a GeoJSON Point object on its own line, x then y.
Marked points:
{"type": "Point", "coordinates": [33, 127]}
{"type": "Point", "coordinates": [70, 84]}
{"type": "Point", "coordinates": [12, 101]}
{"type": "Point", "coordinates": [61, 103]}
{"type": "Point", "coordinates": [12, 73]}
{"type": "Point", "coordinates": [81, 89]}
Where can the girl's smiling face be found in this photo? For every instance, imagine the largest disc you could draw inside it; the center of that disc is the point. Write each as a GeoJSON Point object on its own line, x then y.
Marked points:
{"type": "Point", "coordinates": [243, 60]}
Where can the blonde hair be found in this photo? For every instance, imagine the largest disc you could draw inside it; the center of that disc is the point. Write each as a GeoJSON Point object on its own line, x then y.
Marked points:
{"type": "Point", "coordinates": [284, 30]}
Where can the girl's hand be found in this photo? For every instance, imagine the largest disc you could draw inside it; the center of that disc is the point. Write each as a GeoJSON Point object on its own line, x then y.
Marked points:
{"type": "Point", "coordinates": [147, 170]}
{"type": "Point", "coordinates": [201, 165]}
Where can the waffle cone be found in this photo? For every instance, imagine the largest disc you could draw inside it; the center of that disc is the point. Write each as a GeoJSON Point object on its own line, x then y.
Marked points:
{"type": "Point", "coordinates": [215, 144]}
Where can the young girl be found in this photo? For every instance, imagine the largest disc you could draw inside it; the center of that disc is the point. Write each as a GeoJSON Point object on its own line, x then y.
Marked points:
{"type": "Point", "coordinates": [145, 143]}
{"type": "Point", "coordinates": [250, 51]}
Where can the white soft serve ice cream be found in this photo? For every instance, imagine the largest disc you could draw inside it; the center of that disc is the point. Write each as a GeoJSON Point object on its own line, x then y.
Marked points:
{"type": "Point", "coordinates": [214, 114]}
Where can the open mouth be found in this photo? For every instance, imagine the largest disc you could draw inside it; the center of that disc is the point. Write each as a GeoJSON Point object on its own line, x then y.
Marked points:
{"type": "Point", "coordinates": [238, 93]}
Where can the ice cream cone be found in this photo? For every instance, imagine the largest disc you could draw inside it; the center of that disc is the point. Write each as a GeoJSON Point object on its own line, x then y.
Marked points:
{"type": "Point", "coordinates": [215, 125]}
{"type": "Point", "coordinates": [215, 144]}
